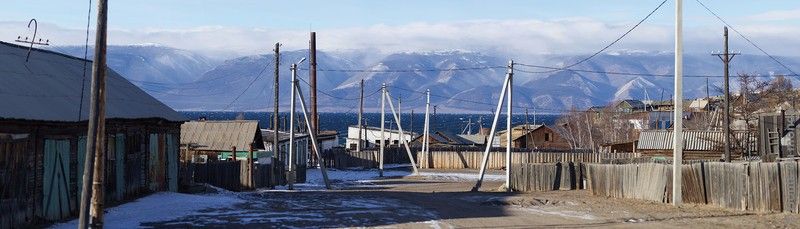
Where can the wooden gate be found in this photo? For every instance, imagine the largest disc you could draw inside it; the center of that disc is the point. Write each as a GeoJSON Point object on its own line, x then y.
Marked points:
{"type": "Point", "coordinates": [56, 179]}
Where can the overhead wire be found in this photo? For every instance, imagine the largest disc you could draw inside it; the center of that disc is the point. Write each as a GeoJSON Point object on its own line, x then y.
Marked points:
{"type": "Point", "coordinates": [746, 39]}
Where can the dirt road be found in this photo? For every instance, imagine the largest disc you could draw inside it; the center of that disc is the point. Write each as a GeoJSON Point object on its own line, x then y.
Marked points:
{"type": "Point", "coordinates": [433, 201]}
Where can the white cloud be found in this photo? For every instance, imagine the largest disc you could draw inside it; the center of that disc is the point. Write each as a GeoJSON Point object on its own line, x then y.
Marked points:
{"type": "Point", "coordinates": [515, 38]}
{"type": "Point", "coordinates": [777, 15]}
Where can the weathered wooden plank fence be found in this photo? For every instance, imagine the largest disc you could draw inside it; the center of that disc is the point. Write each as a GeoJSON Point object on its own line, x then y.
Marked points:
{"type": "Point", "coordinates": [472, 159]}
{"type": "Point", "coordinates": [753, 186]}
{"type": "Point", "coordinates": [546, 176]}
{"type": "Point", "coordinates": [341, 158]}
{"type": "Point", "coordinates": [234, 175]}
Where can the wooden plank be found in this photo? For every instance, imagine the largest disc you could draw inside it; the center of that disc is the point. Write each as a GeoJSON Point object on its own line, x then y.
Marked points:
{"type": "Point", "coordinates": [789, 186]}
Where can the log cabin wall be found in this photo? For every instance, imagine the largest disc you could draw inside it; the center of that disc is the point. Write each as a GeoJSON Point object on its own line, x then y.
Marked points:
{"type": "Point", "coordinates": [41, 164]}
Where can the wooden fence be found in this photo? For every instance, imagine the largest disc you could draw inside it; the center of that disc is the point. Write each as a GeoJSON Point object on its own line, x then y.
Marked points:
{"type": "Point", "coordinates": [341, 158]}
{"type": "Point", "coordinates": [546, 177]}
{"type": "Point", "coordinates": [754, 186]}
{"type": "Point", "coordinates": [472, 159]}
{"type": "Point", "coordinates": [234, 175]}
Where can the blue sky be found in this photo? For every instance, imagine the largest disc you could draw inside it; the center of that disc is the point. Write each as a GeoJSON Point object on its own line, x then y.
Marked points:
{"type": "Point", "coordinates": [184, 23]}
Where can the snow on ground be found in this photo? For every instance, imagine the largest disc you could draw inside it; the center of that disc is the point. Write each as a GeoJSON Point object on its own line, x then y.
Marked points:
{"type": "Point", "coordinates": [161, 206]}
{"type": "Point", "coordinates": [364, 178]}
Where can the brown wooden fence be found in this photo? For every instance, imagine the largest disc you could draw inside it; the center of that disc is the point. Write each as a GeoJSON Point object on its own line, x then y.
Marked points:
{"type": "Point", "coordinates": [472, 159]}
{"type": "Point", "coordinates": [341, 158]}
{"type": "Point", "coordinates": [234, 175]}
{"type": "Point", "coordinates": [546, 177]}
{"type": "Point", "coordinates": [754, 186]}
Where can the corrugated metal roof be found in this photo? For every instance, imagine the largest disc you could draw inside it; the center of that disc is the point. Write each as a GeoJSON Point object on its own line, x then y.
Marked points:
{"type": "Point", "coordinates": [474, 138]}
{"type": "Point", "coordinates": [48, 88]}
{"type": "Point", "coordinates": [694, 140]}
{"type": "Point", "coordinates": [222, 135]}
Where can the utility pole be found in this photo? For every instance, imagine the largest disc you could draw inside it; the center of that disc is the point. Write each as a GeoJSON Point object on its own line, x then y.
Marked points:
{"type": "Point", "coordinates": [509, 129]}
{"type": "Point", "coordinates": [677, 141]}
{"type": "Point", "coordinates": [291, 159]}
{"type": "Point", "coordinates": [726, 58]}
{"type": "Point", "coordinates": [399, 119]}
{"type": "Point", "coordinates": [360, 117]}
{"type": "Point", "coordinates": [491, 136]}
{"type": "Point", "coordinates": [383, 123]}
{"type": "Point", "coordinates": [312, 78]}
{"type": "Point", "coordinates": [94, 166]}
{"type": "Point", "coordinates": [275, 117]}
{"type": "Point", "coordinates": [411, 124]}
{"type": "Point", "coordinates": [426, 130]}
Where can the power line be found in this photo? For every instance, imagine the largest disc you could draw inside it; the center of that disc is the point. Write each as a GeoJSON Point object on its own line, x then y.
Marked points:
{"type": "Point", "coordinates": [618, 39]}
{"type": "Point", "coordinates": [746, 39]}
{"type": "Point", "coordinates": [85, 56]}
{"type": "Point", "coordinates": [411, 70]}
{"type": "Point", "coordinates": [613, 73]}
{"type": "Point", "coordinates": [249, 85]}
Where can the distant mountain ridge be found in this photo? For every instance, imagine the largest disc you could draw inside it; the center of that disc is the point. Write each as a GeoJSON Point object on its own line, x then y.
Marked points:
{"type": "Point", "coordinates": [188, 81]}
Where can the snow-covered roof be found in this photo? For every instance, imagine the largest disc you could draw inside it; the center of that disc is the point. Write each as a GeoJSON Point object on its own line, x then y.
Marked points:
{"type": "Point", "coordinates": [48, 88]}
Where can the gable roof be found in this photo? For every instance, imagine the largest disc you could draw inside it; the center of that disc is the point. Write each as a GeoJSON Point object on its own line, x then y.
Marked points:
{"type": "Point", "coordinates": [51, 87]}
{"type": "Point", "coordinates": [222, 135]}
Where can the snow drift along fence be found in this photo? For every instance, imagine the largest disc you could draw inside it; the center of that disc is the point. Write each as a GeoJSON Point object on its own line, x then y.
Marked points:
{"type": "Point", "coordinates": [472, 159]}
{"type": "Point", "coordinates": [546, 176]}
{"type": "Point", "coordinates": [754, 186]}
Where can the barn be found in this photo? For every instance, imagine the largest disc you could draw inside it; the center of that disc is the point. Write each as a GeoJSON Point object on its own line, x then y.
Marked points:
{"type": "Point", "coordinates": [44, 106]}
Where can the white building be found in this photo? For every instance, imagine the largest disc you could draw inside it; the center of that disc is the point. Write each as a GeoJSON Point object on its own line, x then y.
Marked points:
{"type": "Point", "coordinates": [372, 136]}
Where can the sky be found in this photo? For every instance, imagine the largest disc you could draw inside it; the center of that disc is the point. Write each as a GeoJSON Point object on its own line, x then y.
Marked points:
{"type": "Point", "coordinates": [511, 27]}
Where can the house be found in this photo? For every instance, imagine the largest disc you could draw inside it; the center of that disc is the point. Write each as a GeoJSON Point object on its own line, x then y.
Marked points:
{"type": "Point", "coordinates": [44, 108]}
{"type": "Point", "coordinates": [779, 135]}
{"type": "Point", "coordinates": [532, 137]}
{"type": "Point", "coordinates": [475, 139]}
{"type": "Point", "coordinates": [439, 138]}
{"type": "Point", "coordinates": [630, 105]}
{"type": "Point", "coordinates": [371, 136]}
{"type": "Point", "coordinates": [302, 144]}
{"type": "Point", "coordinates": [698, 144]}
{"type": "Point", "coordinates": [217, 139]}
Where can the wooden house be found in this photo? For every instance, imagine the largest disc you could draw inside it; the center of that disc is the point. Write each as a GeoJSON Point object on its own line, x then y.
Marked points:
{"type": "Point", "coordinates": [215, 140]}
{"type": "Point", "coordinates": [44, 106]}
{"type": "Point", "coordinates": [439, 138]}
{"type": "Point", "coordinates": [532, 137]}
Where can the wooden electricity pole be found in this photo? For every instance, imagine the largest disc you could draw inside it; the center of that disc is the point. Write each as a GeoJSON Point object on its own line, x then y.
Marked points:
{"type": "Point", "coordinates": [726, 58]}
{"type": "Point", "coordinates": [312, 78]}
{"type": "Point", "coordinates": [95, 138]}
{"type": "Point", "coordinates": [275, 116]}
{"type": "Point", "coordinates": [360, 118]}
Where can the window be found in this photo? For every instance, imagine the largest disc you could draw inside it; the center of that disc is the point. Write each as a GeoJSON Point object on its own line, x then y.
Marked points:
{"type": "Point", "coordinates": [352, 146]}
{"type": "Point", "coordinates": [547, 137]}
{"type": "Point", "coordinates": [395, 142]}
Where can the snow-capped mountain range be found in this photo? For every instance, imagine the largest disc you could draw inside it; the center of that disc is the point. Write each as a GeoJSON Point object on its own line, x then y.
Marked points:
{"type": "Point", "coordinates": [188, 81]}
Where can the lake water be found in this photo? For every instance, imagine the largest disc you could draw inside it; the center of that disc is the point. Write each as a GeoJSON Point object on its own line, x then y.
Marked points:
{"type": "Point", "coordinates": [449, 123]}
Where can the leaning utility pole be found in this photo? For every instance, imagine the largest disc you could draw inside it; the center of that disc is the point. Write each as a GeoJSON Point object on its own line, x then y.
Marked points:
{"type": "Point", "coordinates": [677, 141]}
{"type": "Point", "coordinates": [360, 115]}
{"type": "Point", "coordinates": [726, 58]}
{"type": "Point", "coordinates": [94, 166]}
{"type": "Point", "coordinates": [505, 91]}
{"type": "Point", "coordinates": [399, 119]}
{"type": "Point", "coordinates": [312, 78]}
{"type": "Point", "coordinates": [275, 116]}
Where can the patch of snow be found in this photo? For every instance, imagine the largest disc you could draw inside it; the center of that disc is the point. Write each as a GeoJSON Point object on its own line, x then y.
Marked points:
{"type": "Point", "coordinates": [162, 206]}
{"type": "Point", "coordinates": [569, 214]}
{"type": "Point", "coordinates": [445, 176]}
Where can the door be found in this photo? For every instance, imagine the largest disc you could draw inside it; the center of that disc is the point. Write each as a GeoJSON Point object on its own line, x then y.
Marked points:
{"type": "Point", "coordinates": [172, 162]}
{"type": "Point", "coordinates": [56, 179]}
{"type": "Point", "coordinates": [119, 150]}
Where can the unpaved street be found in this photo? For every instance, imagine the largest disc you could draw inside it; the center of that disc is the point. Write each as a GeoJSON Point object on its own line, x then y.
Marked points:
{"type": "Point", "coordinates": [437, 200]}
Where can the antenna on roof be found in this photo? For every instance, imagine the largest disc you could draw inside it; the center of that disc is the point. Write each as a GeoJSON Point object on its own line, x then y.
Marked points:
{"type": "Point", "coordinates": [33, 40]}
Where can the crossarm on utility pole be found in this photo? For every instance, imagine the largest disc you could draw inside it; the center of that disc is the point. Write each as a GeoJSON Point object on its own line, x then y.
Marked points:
{"type": "Point", "coordinates": [313, 135]}
{"type": "Point", "coordinates": [400, 128]}
{"type": "Point", "coordinates": [491, 135]}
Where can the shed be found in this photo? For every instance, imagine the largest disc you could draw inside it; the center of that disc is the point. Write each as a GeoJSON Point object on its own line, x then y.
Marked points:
{"type": "Point", "coordinates": [44, 105]}
{"type": "Point", "coordinates": [698, 144]}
